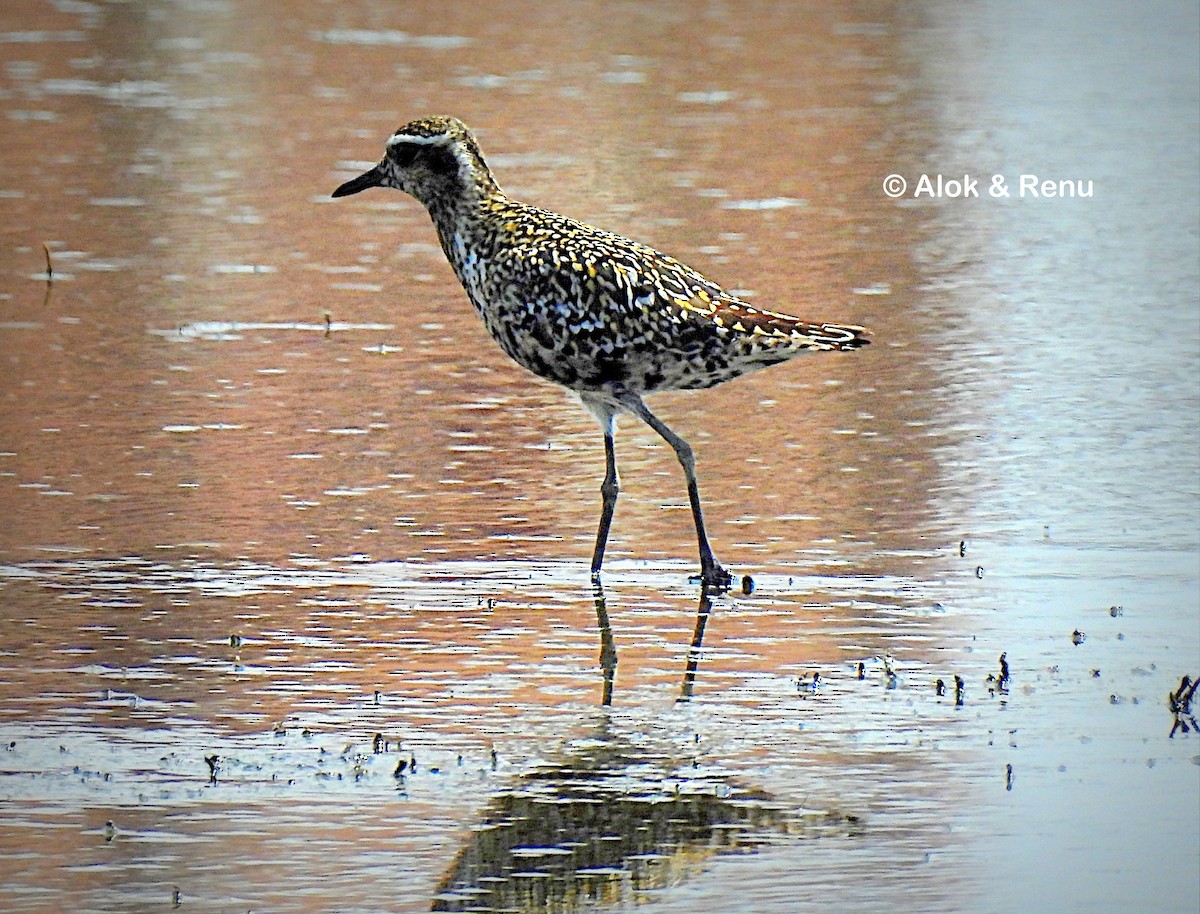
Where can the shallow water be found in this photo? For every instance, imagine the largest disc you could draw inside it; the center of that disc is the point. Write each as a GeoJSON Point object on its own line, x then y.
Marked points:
{"type": "Point", "coordinates": [271, 495]}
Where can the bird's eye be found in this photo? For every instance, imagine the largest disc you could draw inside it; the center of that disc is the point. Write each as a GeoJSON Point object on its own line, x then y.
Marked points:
{"type": "Point", "coordinates": [442, 161]}
{"type": "Point", "coordinates": [403, 154]}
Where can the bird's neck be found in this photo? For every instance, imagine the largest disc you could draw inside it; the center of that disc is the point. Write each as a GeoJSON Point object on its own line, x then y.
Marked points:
{"type": "Point", "coordinates": [461, 194]}
{"type": "Point", "coordinates": [465, 205]}
{"type": "Point", "coordinates": [463, 222]}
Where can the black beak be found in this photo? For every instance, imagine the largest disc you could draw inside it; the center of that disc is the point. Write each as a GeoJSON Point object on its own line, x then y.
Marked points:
{"type": "Point", "coordinates": [372, 178]}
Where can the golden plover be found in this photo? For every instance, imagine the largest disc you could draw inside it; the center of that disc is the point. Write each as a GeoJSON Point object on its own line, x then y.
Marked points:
{"type": "Point", "coordinates": [604, 316]}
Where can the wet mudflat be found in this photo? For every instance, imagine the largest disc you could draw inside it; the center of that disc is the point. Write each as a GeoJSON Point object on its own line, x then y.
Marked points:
{"type": "Point", "coordinates": [293, 562]}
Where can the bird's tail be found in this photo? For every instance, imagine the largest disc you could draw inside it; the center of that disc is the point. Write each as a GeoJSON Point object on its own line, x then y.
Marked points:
{"type": "Point", "coordinates": [772, 330]}
{"type": "Point", "coordinates": [833, 337]}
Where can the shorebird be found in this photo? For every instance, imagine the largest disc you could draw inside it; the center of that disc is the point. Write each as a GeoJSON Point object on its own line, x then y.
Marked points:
{"type": "Point", "coordinates": [604, 316]}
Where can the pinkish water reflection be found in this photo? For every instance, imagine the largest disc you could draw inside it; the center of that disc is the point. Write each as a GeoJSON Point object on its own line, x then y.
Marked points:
{"type": "Point", "coordinates": [268, 490]}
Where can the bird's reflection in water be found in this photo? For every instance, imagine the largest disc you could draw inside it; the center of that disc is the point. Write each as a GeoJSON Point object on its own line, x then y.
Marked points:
{"type": "Point", "coordinates": [607, 825]}
{"type": "Point", "coordinates": [617, 817]}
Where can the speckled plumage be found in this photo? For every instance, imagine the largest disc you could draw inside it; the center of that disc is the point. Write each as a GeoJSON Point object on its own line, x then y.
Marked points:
{"type": "Point", "coordinates": [600, 314]}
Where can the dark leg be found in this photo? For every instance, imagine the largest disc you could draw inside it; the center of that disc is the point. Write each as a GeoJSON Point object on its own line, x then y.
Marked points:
{"type": "Point", "coordinates": [711, 572]}
{"type": "Point", "coordinates": [608, 491]}
{"type": "Point", "coordinates": [605, 411]}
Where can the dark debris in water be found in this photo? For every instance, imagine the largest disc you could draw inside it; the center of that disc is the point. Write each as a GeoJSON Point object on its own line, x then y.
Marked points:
{"type": "Point", "coordinates": [1180, 702]}
{"type": "Point", "coordinates": [806, 683]}
{"type": "Point", "coordinates": [998, 683]}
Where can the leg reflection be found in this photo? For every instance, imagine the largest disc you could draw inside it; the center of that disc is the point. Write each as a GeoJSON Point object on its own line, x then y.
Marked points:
{"type": "Point", "coordinates": [693, 656]}
{"type": "Point", "coordinates": [608, 648]}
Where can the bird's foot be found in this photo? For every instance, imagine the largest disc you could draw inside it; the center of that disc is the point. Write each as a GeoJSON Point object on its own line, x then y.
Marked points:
{"type": "Point", "coordinates": [714, 577]}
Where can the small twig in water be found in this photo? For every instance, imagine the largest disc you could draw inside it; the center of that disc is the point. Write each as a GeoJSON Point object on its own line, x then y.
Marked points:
{"type": "Point", "coordinates": [49, 266]}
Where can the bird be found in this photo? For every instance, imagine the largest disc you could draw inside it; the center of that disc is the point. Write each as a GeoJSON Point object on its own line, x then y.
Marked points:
{"type": "Point", "coordinates": [606, 317]}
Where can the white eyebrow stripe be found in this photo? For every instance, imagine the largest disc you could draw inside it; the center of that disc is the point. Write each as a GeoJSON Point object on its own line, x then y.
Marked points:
{"type": "Point", "coordinates": [416, 140]}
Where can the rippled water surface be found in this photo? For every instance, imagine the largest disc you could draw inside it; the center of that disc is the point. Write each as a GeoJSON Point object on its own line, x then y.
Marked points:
{"type": "Point", "coordinates": [293, 562]}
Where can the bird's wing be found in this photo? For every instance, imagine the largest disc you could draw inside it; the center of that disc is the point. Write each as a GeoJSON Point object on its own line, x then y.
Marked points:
{"type": "Point", "coordinates": [597, 279]}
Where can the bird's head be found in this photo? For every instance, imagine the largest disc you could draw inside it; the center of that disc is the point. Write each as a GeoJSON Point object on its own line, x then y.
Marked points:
{"type": "Point", "coordinates": [436, 159]}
